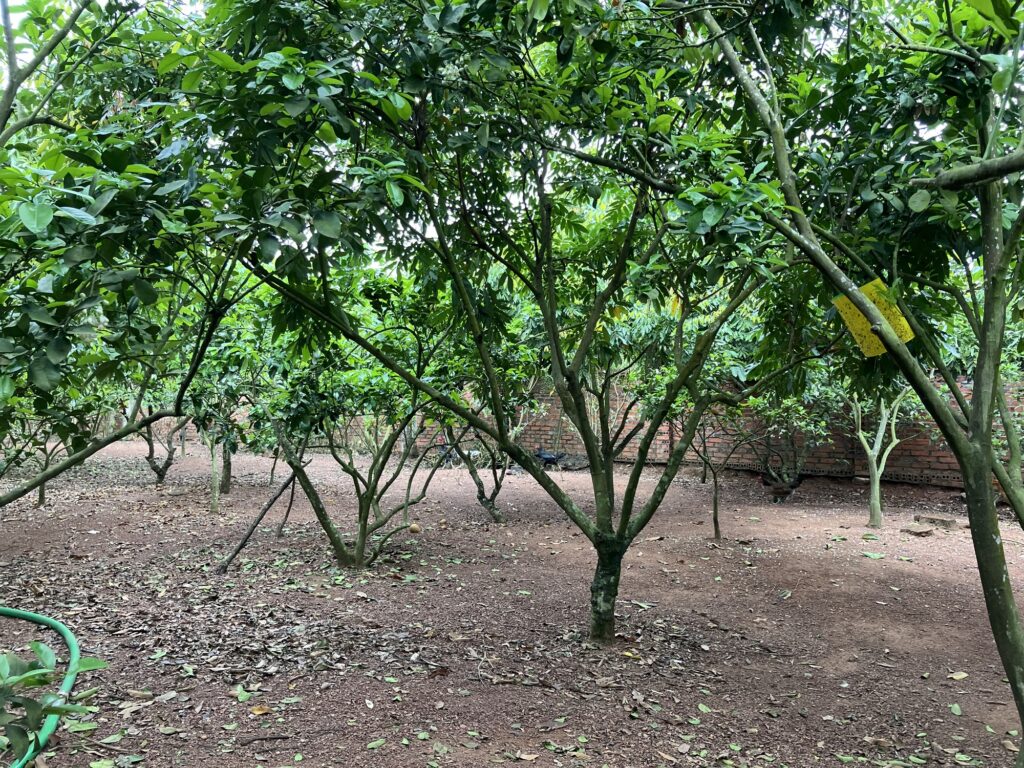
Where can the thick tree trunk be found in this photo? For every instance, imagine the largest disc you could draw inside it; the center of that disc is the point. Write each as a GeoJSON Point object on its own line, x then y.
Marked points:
{"type": "Point", "coordinates": [874, 494]}
{"type": "Point", "coordinates": [358, 556]}
{"type": "Point", "coordinates": [604, 589]}
{"type": "Point", "coordinates": [492, 508]}
{"type": "Point", "coordinates": [995, 578]}
{"type": "Point", "coordinates": [225, 474]}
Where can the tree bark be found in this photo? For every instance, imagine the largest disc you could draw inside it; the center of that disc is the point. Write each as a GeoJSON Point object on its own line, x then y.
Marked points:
{"type": "Point", "coordinates": [225, 470]}
{"type": "Point", "coordinates": [214, 481]}
{"type": "Point", "coordinates": [341, 552]}
{"type": "Point", "coordinates": [223, 567]}
{"type": "Point", "coordinates": [714, 505]}
{"type": "Point", "coordinates": [874, 493]}
{"type": "Point", "coordinates": [604, 590]}
{"type": "Point", "coordinates": [287, 513]}
{"type": "Point", "coordinates": [995, 578]}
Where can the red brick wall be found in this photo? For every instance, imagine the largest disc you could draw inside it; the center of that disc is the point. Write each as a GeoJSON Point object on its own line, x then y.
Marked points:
{"type": "Point", "coordinates": [919, 459]}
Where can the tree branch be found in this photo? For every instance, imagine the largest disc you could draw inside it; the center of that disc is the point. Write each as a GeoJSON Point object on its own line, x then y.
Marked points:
{"type": "Point", "coordinates": [977, 173]}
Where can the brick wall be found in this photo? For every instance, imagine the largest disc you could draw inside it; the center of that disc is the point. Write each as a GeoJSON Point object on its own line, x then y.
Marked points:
{"type": "Point", "coordinates": [919, 459]}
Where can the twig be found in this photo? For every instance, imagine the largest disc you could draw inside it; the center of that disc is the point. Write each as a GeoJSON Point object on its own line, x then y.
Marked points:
{"type": "Point", "coordinates": [268, 737]}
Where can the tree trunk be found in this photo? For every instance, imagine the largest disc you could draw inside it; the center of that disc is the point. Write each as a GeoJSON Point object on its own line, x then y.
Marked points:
{"type": "Point", "coordinates": [41, 498]}
{"type": "Point", "coordinates": [358, 557]}
{"type": "Point", "coordinates": [225, 474]}
{"type": "Point", "coordinates": [214, 481]}
{"type": "Point", "coordinates": [341, 553]}
{"type": "Point", "coordinates": [287, 513]}
{"type": "Point", "coordinates": [995, 579]}
{"type": "Point", "coordinates": [604, 589]}
{"type": "Point", "coordinates": [486, 500]}
{"type": "Point", "coordinates": [223, 567]}
{"type": "Point", "coordinates": [874, 494]}
{"type": "Point", "coordinates": [714, 506]}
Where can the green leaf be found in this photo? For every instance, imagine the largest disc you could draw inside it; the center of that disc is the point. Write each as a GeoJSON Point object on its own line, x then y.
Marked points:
{"type": "Point", "coordinates": [44, 653]}
{"type": "Point", "coordinates": [873, 555]}
{"type": "Point", "coordinates": [43, 373]}
{"type": "Point", "coordinates": [40, 315]}
{"type": "Point", "coordinates": [269, 247]}
{"type": "Point", "coordinates": [6, 391]}
{"type": "Point", "coordinates": [90, 664]}
{"type": "Point", "coordinates": [171, 186]}
{"type": "Point", "coordinates": [295, 107]}
{"type": "Point", "coordinates": [169, 62]}
{"type": "Point", "coordinates": [326, 133]}
{"type": "Point", "coordinates": [224, 61]}
{"type": "Point", "coordinates": [191, 80]}
{"type": "Point", "coordinates": [328, 224]}
{"type": "Point", "coordinates": [920, 200]}
{"type": "Point", "coordinates": [395, 193]}
{"type": "Point", "coordinates": [376, 744]}
{"type": "Point", "coordinates": [999, 14]}
{"type": "Point", "coordinates": [101, 201]}
{"type": "Point", "coordinates": [1001, 80]}
{"type": "Point", "coordinates": [116, 159]}
{"type": "Point", "coordinates": [402, 106]}
{"type": "Point", "coordinates": [58, 349]}
{"type": "Point", "coordinates": [713, 214]}
{"type": "Point", "coordinates": [539, 9]}
{"type": "Point", "coordinates": [241, 694]}
{"type": "Point", "coordinates": [145, 291]}
{"type": "Point", "coordinates": [661, 124]}
{"type": "Point", "coordinates": [293, 80]}
{"type": "Point", "coordinates": [955, 709]}
{"type": "Point", "coordinates": [35, 216]}
{"type": "Point", "coordinates": [82, 217]}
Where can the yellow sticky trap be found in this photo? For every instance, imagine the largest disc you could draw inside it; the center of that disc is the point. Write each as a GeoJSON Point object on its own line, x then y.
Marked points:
{"type": "Point", "coordinates": [860, 326]}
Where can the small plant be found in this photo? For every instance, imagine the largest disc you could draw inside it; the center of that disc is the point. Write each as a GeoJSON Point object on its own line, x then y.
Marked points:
{"type": "Point", "coordinates": [22, 714]}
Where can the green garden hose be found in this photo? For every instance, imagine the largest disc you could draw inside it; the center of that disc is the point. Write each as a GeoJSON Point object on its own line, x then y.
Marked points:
{"type": "Point", "coordinates": [52, 721]}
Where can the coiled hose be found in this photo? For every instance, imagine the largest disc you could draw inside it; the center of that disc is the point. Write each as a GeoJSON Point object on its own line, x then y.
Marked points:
{"type": "Point", "coordinates": [52, 721]}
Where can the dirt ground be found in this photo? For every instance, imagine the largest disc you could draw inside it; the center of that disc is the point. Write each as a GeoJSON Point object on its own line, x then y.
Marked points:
{"type": "Point", "coordinates": [799, 640]}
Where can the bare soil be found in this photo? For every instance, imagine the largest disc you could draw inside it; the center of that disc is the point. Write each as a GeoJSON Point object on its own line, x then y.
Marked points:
{"type": "Point", "coordinates": [784, 644]}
